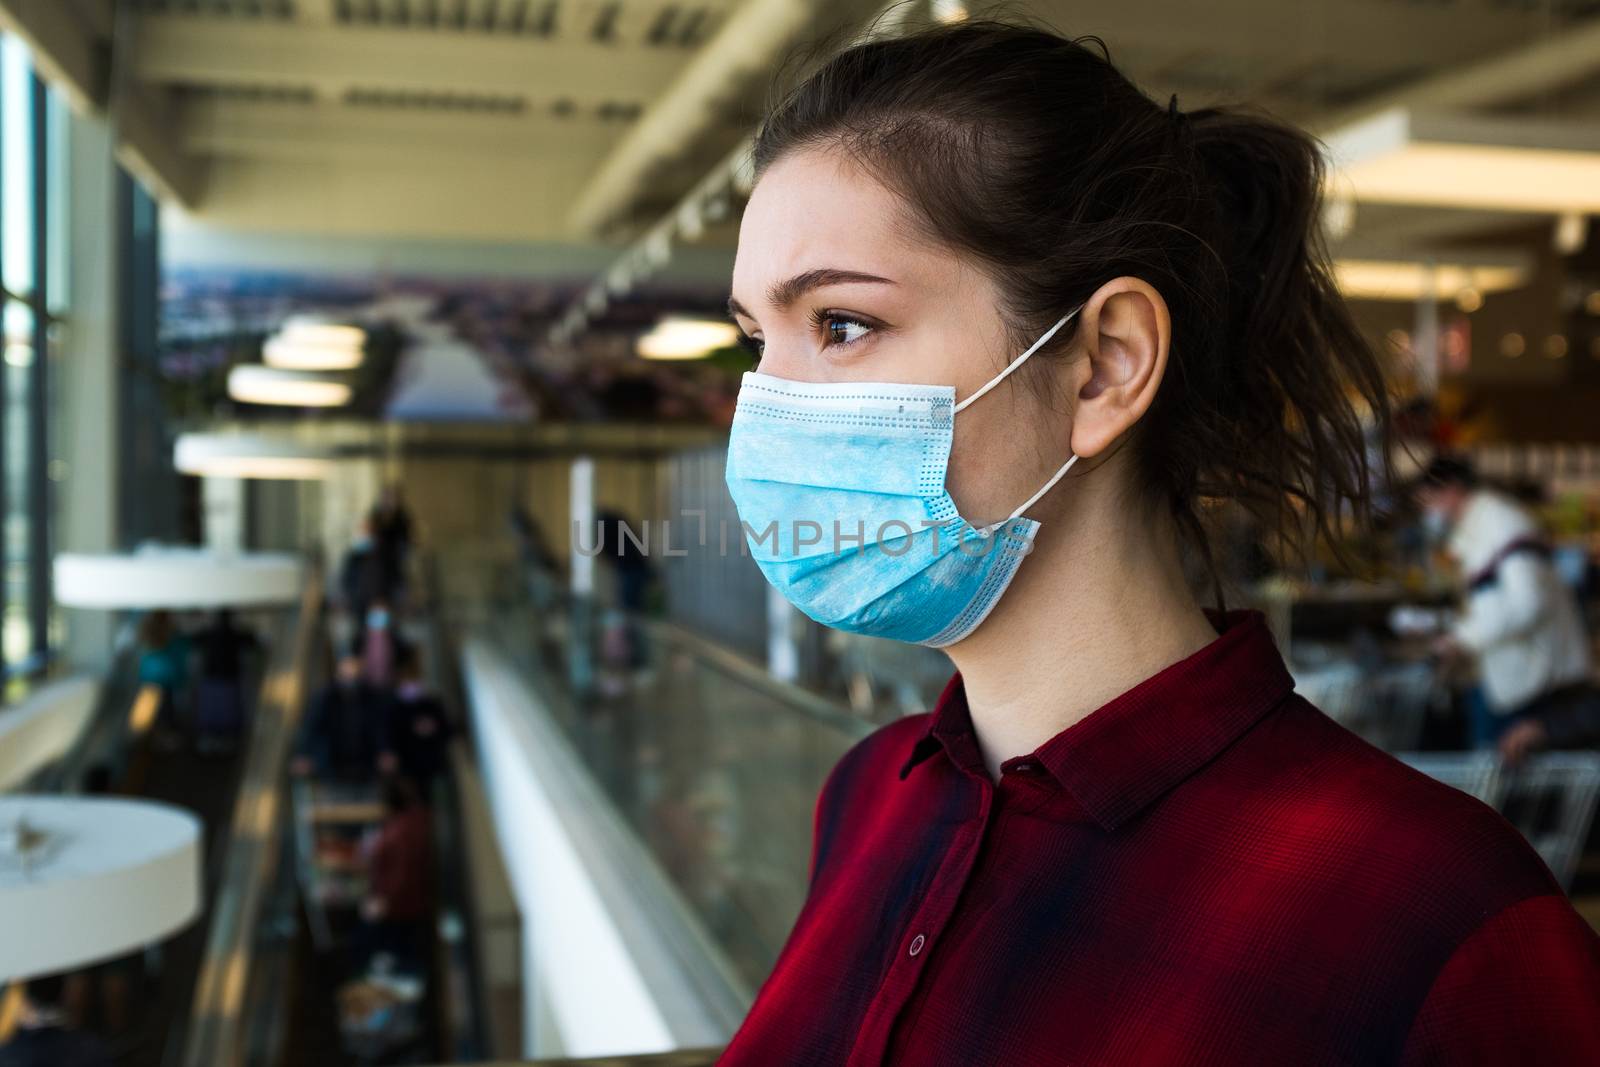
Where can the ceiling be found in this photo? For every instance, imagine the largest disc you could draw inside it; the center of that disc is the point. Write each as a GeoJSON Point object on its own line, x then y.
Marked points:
{"type": "Point", "coordinates": [585, 120]}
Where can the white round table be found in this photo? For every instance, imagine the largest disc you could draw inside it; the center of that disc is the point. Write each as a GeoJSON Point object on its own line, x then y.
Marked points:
{"type": "Point", "coordinates": [89, 879]}
{"type": "Point", "coordinates": [251, 455]}
{"type": "Point", "coordinates": [177, 578]}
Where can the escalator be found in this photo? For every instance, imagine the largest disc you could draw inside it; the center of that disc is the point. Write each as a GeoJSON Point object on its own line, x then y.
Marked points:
{"type": "Point", "coordinates": [316, 986]}
{"type": "Point", "coordinates": [142, 1005]}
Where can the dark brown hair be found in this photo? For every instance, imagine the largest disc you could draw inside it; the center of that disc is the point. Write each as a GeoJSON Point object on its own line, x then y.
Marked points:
{"type": "Point", "coordinates": [1033, 154]}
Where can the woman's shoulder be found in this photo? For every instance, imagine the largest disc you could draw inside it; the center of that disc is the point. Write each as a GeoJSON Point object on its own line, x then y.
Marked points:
{"type": "Point", "coordinates": [1367, 815]}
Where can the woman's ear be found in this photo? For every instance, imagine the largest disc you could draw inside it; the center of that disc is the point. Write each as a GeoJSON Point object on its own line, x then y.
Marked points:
{"type": "Point", "coordinates": [1126, 333]}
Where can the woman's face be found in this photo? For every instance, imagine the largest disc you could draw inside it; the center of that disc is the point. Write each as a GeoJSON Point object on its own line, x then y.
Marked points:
{"type": "Point", "coordinates": [835, 284]}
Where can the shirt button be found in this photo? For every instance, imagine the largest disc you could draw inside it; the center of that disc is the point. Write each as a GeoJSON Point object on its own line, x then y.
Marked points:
{"type": "Point", "coordinates": [917, 943]}
{"type": "Point", "coordinates": [1026, 766]}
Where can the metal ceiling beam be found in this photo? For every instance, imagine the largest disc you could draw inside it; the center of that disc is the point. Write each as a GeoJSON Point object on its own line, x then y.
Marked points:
{"type": "Point", "coordinates": [61, 49]}
{"type": "Point", "coordinates": [73, 59]}
{"type": "Point", "coordinates": [333, 58]}
{"type": "Point", "coordinates": [752, 39]}
{"type": "Point", "coordinates": [315, 12]}
{"type": "Point", "coordinates": [145, 148]}
{"type": "Point", "coordinates": [517, 199]}
{"type": "Point", "coordinates": [1373, 34]}
{"type": "Point", "coordinates": [99, 15]}
{"type": "Point", "coordinates": [293, 130]}
{"type": "Point", "coordinates": [1559, 59]}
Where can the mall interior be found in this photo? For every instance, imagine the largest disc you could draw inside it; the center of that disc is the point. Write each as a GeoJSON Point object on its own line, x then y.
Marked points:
{"type": "Point", "coordinates": [340, 335]}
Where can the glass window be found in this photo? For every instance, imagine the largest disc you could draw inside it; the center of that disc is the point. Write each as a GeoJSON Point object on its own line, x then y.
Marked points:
{"type": "Point", "coordinates": [16, 168]}
{"type": "Point", "coordinates": [58, 131]}
{"type": "Point", "coordinates": [33, 176]}
{"type": "Point", "coordinates": [17, 639]}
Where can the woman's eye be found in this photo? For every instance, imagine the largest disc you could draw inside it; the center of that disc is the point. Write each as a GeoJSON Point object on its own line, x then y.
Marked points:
{"type": "Point", "coordinates": [839, 330]}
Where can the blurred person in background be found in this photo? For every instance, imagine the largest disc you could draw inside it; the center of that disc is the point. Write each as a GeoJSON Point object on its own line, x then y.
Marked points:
{"type": "Point", "coordinates": [379, 645]}
{"type": "Point", "coordinates": [1120, 837]}
{"type": "Point", "coordinates": [418, 726]}
{"type": "Point", "coordinates": [392, 538]}
{"type": "Point", "coordinates": [363, 577]}
{"type": "Point", "coordinates": [164, 663]}
{"type": "Point", "coordinates": [1519, 622]}
{"type": "Point", "coordinates": [346, 732]}
{"type": "Point", "coordinates": [225, 648]}
{"type": "Point", "coordinates": [45, 1035]}
{"type": "Point", "coordinates": [623, 548]}
{"type": "Point", "coordinates": [1570, 719]}
{"type": "Point", "coordinates": [399, 898]}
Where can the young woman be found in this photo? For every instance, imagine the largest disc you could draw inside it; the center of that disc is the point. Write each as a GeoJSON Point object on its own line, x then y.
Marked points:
{"type": "Point", "coordinates": [1015, 323]}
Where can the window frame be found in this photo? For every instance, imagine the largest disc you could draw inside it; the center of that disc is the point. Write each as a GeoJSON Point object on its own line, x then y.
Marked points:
{"type": "Point", "coordinates": [34, 487]}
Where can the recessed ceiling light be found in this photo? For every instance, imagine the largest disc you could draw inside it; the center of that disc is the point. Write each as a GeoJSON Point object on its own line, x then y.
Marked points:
{"type": "Point", "coordinates": [1404, 156]}
{"type": "Point", "coordinates": [235, 455]}
{"type": "Point", "coordinates": [253, 383]}
{"type": "Point", "coordinates": [289, 353]}
{"type": "Point", "coordinates": [685, 338]}
{"type": "Point", "coordinates": [322, 332]}
{"type": "Point", "coordinates": [1398, 279]}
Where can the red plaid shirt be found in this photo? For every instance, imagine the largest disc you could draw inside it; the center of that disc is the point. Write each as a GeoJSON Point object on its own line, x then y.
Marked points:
{"type": "Point", "coordinates": [1207, 870]}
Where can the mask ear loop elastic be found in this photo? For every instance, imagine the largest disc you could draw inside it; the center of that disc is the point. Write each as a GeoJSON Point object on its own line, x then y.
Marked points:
{"type": "Point", "coordinates": [996, 380]}
{"type": "Point", "coordinates": [1051, 484]}
{"type": "Point", "coordinates": [1020, 360]}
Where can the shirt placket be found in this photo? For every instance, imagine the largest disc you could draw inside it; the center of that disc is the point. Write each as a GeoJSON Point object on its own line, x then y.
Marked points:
{"type": "Point", "coordinates": [921, 935]}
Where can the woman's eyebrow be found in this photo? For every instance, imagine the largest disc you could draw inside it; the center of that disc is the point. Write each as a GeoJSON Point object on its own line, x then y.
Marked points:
{"type": "Point", "coordinates": [782, 295]}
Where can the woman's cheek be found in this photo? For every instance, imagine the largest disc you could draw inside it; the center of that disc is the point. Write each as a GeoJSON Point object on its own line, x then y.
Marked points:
{"type": "Point", "coordinates": [983, 466]}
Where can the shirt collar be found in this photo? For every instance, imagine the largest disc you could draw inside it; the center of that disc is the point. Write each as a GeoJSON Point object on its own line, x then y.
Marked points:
{"type": "Point", "coordinates": [1123, 756]}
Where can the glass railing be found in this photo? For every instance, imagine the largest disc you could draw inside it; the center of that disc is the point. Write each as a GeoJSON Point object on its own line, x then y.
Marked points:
{"type": "Point", "coordinates": [712, 763]}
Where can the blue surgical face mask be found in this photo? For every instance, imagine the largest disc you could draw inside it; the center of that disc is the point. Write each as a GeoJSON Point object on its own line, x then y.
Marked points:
{"type": "Point", "coordinates": [378, 619]}
{"type": "Point", "coordinates": [840, 488]}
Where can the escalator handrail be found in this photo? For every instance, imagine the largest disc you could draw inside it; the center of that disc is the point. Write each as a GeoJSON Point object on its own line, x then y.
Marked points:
{"type": "Point", "coordinates": [747, 672]}
{"type": "Point", "coordinates": [105, 735]}
{"type": "Point", "coordinates": [456, 888]}
{"type": "Point", "coordinates": [259, 815]}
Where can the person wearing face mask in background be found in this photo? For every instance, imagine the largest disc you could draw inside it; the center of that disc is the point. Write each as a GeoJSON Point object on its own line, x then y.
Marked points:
{"type": "Point", "coordinates": [400, 878]}
{"type": "Point", "coordinates": [363, 575]}
{"type": "Point", "coordinates": [379, 644]}
{"type": "Point", "coordinates": [419, 727]}
{"type": "Point", "coordinates": [165, 651]}
{"type": "Point", "coordinates": [1519, 622]}
{"type": "Point", "coordinates": [391, 526]}
{"type": "Point", "coordinates": [1018, 326]}
{"type": "Point", "coordinates": [346, 734]}
{"type": "Point", "coordinates": [220, 698]}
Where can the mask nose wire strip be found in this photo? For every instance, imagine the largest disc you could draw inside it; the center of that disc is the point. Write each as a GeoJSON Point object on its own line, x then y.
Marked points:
{"type": "Point", "coordinates": [1020, 360]}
